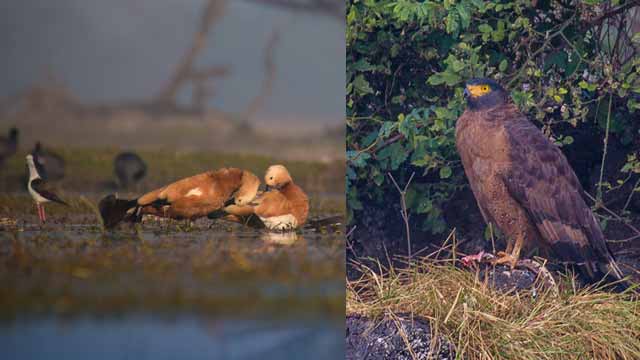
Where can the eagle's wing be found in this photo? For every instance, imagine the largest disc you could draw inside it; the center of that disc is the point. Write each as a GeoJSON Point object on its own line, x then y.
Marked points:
{"type": "Point", "coordinates": [540, 178]}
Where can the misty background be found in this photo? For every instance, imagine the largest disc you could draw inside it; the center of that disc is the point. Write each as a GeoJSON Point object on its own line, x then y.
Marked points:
{"type": "Point", "coordinates": [124, 50]}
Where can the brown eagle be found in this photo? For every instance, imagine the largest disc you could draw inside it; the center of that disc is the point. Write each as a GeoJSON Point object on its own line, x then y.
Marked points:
{"type": "Point", "coordinates": [525, 186]}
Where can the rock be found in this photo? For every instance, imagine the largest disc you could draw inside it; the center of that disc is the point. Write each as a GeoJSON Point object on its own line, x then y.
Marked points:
{"type": "Point", "coordinates": [369, 340]}
{"type": "Point", "coordinates": [504, 279]}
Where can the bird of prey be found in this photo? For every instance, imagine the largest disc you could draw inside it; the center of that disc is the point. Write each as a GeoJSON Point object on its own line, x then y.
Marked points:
{"type": "Point", "coordinates": [525, 186]}
{"type": "Point", "coordinates": [39, 190]}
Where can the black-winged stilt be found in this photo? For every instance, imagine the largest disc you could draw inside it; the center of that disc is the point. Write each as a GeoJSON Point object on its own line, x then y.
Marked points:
{"type": "Point", "coordinates": [38, 190]}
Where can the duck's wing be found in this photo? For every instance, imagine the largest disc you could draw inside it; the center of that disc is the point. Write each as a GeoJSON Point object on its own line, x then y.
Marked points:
{"type": "Point", "coordinates": [193, 186]}
{"type": "Point", "coordinates": [272, 203]}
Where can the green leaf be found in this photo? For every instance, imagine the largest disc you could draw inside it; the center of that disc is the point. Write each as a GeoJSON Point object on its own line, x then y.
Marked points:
{"type": "Point", "coordinates": [567, 140]}
{"type": "Point", "coordinates": [485, 28]}
{"type": "Point", "coordinates": [465, 15]}
{"type": "Point", "coordinates": [362, 86]}
{"type": "Point", "coordinates": [424, 206]}
{"type": "Point", "coordinates": [452, 23]}
{"type": "Point", "coordinates": [398, 155]}
{"type": "Point", "coordinates": [445, 172]}
{"type": "Point", "coordinates": [446, 77]}
{"type": "Point", "coordinates": [503, 65]}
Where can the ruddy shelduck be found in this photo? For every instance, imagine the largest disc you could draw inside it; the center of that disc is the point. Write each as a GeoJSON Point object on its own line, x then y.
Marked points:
{"type": "Point", "coordinates": [189, 198]}
{"type": "Point", "coordinates": [285, 207]}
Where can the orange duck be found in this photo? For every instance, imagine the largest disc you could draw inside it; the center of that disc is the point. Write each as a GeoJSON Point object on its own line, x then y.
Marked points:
{"type": "Point", "coordinates": [286, 207]}
{"type": "Point", "coordinates": [189, 198]}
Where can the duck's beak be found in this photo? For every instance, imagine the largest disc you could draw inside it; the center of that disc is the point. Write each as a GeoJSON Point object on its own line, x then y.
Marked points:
{"type": "Point", "coordinates": [267, 188]}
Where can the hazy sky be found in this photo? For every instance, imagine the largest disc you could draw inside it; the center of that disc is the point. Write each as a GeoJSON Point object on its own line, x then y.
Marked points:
{"type": "Point", "coordinates": [108, 51]}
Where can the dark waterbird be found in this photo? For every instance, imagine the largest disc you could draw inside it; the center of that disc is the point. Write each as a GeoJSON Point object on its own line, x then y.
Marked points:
{"type": "Point", "coordinates": [50, 165]}
{"type": "Point", "coordinates": [8, 145]}
{"type": "Point", "coordinates": [129, 169]}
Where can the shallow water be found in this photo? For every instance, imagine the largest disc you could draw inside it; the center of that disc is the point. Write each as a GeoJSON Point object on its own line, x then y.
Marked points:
{"type": "Point", "coordinates": [184, 337]}
{"type": "Point", "coordinates": [165, 289]}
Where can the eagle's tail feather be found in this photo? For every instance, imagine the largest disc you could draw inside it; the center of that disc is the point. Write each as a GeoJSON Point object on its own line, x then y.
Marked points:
{"type": "Point", "coordinates": [613, 269]}
{"type": "Point", "coordinates": [608, 274]}
{"type": "Point", "coordinates": [114, 210]}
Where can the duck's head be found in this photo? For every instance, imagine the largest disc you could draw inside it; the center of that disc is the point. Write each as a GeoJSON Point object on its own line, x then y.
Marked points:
{"type": "Point", "coordinates": [484, 93]}
{"type": "Point", "coordinates": [248, 188]}
{"type": "Point", "coordinates": [277, 176]}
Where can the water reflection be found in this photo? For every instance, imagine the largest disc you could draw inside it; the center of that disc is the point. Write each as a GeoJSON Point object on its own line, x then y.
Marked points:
{"type": "Point", "coordinates": [280, 238]}
{"type": "Point", "coordinates": [73, 292]}
{"type": "Point", "coordinates": [184, 337]}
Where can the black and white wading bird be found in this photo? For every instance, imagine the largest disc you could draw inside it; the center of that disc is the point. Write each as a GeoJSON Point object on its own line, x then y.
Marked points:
{"type": "Point", "coordinates": [38, 190]}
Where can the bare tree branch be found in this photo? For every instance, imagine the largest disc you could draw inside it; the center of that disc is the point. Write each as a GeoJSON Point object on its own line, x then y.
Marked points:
{"type": "Point", "coordinates": [212, 13]}
{"type": "Point", "coordinates": [213, 71]}
{"type": "Point", "coordinates": [269, 75]}
{"type": "Point", "coordinates": [404, 212]}
{"type": "Point", "coordinates": [609, 14]}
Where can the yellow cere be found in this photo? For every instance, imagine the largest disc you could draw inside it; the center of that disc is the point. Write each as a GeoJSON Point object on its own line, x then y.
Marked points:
{"type": "Point", "coordinates": [478, 90]}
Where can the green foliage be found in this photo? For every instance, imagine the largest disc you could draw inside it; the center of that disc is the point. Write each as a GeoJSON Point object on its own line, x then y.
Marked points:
{"type": "Point", "coordinates": [407, 63]}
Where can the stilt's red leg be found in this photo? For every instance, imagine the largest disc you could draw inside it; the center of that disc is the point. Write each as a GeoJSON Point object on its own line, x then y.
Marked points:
{"type": "Point", "coordinates": [44, 214]}
{"type": "Point", "coordinates": [39, 207]}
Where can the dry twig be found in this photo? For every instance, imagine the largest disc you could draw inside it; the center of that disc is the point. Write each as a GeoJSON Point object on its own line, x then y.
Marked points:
{"type": "Point", "coordinates": [404, 212]}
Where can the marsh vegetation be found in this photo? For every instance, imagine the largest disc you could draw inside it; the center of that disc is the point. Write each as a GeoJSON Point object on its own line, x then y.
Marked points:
{"type": "Point", "coordinates": [168, 276]}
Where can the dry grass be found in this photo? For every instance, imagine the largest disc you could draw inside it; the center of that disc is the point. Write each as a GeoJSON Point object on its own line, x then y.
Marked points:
{"type": "Point", "coordinates": [482, 323]}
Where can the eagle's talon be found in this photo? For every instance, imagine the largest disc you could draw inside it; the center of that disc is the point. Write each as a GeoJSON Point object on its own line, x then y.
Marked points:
{"type": "Point", "coordinates": [504, 258]}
